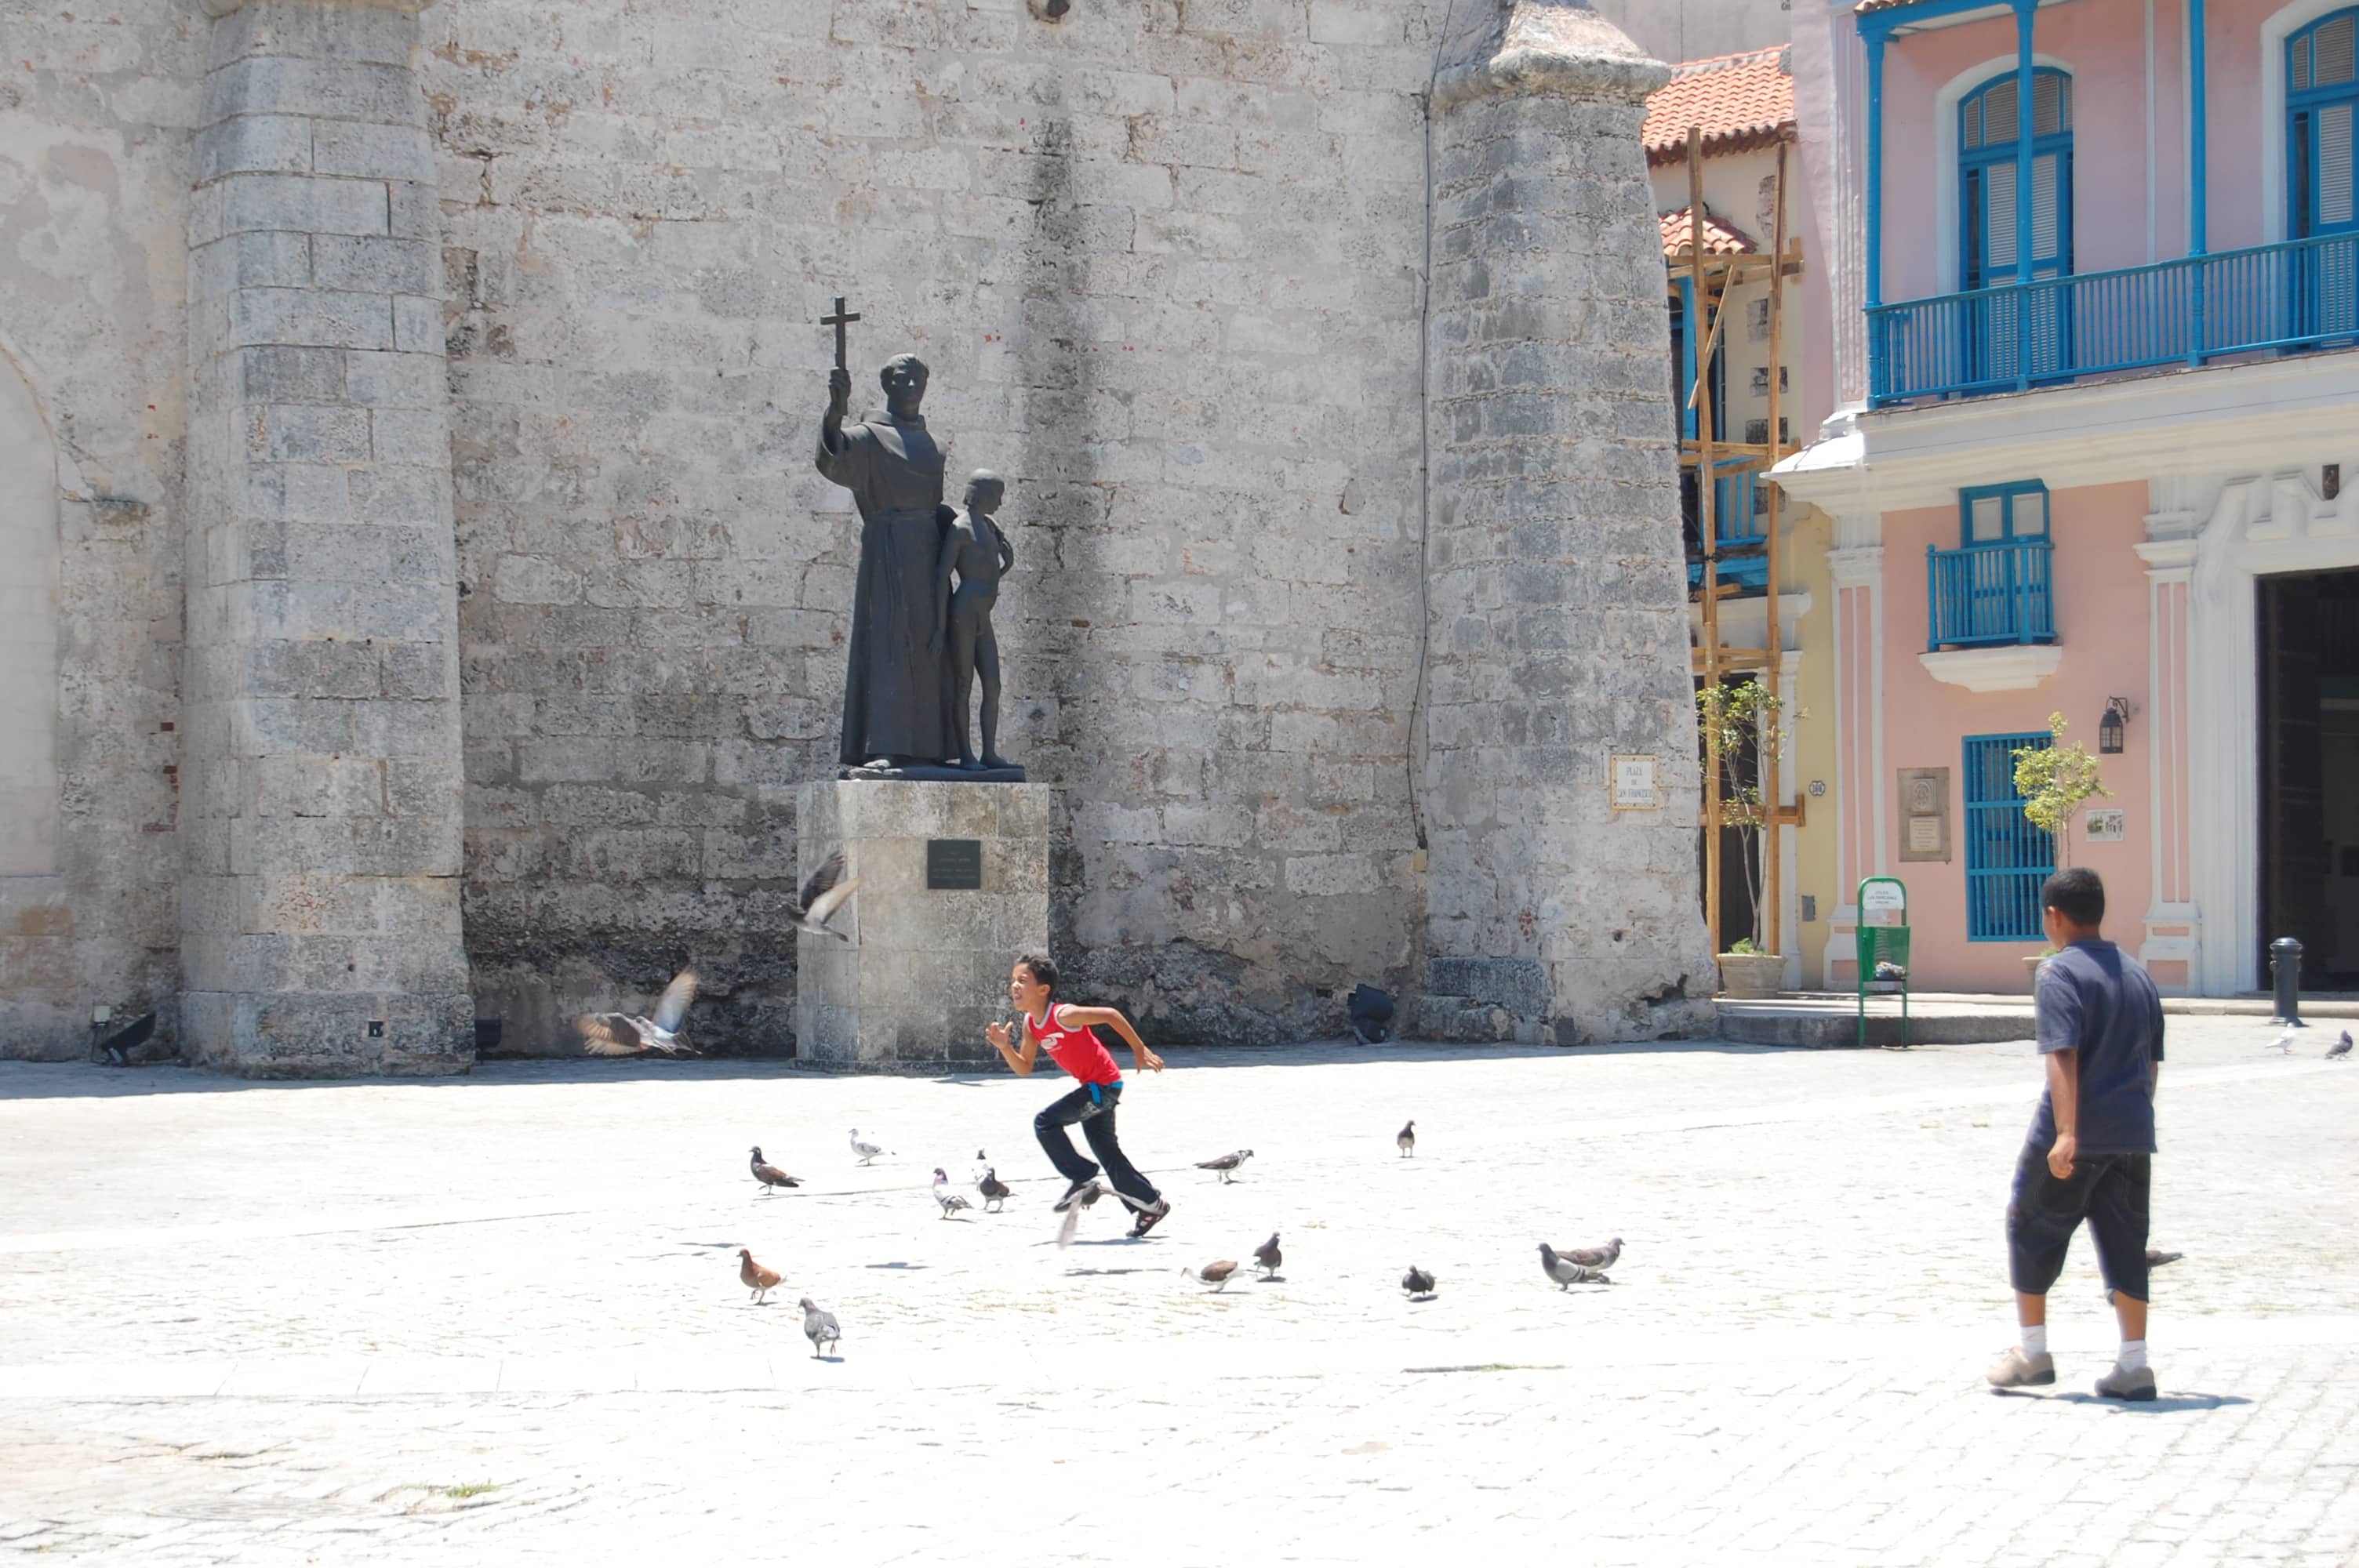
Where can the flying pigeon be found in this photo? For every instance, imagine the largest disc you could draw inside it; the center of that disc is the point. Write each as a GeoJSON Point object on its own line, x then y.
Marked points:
{"type": "Point", "coordinates": [2341, 1047]}
{"type": "Point", "coordinates": [864, 1149]}
{"type": "Point", "coordinates": [770, 1176]}
{"type": "Point", "coordinates": [1417, 1282]}
{"type": "Point", "coordinates": [1088, 1194]}
{"type": "Point", "coordinates": [951, 1202]}
{"type": "Point", "coordinates": [1406, 1138]}
{"type": "Point", "coordinates": [1566, 1272]}
{"type": "Point", "coordinates": [2283, 1043]}
{"type": "Point", "coordinates": [628, 1034]}
{"type": "Point", "coordinates": [995, 1191]}
{"type": "Point", "coordinates": [823, 894]}
{"type": "Point", "coordinates": [1269, 1257]}
{"type": "Point", "coordinates": [2156, 1257]}
{"type": "Point", "coordinates": [1594, 1257]}
{"type": "Point", "coordinates": [1227, 1165]}
{"type": "Point", "coordinates": [757, 1279]}
{"type": "Point", "coordinates": [1214, 1274]}
{"type": "Point", "coordinates": [820, 1327]}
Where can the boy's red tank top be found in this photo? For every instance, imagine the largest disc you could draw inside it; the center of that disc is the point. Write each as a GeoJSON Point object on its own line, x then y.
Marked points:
{"type": "Point", "coordinates": [1079, 1050]}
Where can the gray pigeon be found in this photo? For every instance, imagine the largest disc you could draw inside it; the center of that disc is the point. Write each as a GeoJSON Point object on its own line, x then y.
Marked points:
{"type": "Point", "coordinates": [950, 1200]}
{"type": "Point", "coordinates": [1214, 1274]}
{"type": "Point", "coordinates": [1566, 1272]}
{"type": "Point", "coordinates": [820, 1327]}
{"type": "Point", "coordinates": [1269, 1257]}
{"type": "Point", "coordinates": [770, 1176]}
{"type": "Point", "coordinates": [1227, 1165]}
{"type": "Point", "coordinates": [1594, 1257]}
{"type": "Point", "coordinates": [995, 1191]}
{"type": "Point", "coordinates": [1073, 1220]}
{"type": "Point", "coordinates": [823, 894]}
{"type": "Point", "coordinates": [1406, 1138]}
{"type": "Point", "coordinates": [1417, 1282]}
{"type": "Point", "coordinates": [2341, 1047]}
{"type": "Point", "coordinates": [628, 1035]}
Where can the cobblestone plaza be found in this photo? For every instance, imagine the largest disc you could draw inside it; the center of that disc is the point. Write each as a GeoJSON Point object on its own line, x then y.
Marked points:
{"type": "Point", "coordinates": [498, 1319]}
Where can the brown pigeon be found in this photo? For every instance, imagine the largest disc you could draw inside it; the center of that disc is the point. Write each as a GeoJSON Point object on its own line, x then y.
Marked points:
{"type": "Point", "coordinates": [628, 1035]}
{"type": "Point", "coordinates": [770, 1176]}
{"type": "Point", "coordinates": [1214, 1274]}
{"type": "Point", "coordinates": [1594, 1257]}
{"type": "Point", "coordinates": [757, 1279]}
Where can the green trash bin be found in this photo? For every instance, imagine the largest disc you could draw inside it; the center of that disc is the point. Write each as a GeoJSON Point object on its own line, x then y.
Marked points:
{"type": "Point", "coordinates": [1882, 938]}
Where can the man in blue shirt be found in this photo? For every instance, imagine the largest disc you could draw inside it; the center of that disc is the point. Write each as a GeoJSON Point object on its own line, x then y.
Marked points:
{"type": "Point", "coordinates": [2090, 1152]}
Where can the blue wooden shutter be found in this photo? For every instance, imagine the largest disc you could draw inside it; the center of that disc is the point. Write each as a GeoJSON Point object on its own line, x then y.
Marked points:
{"type": "Point", "coordinates": [2008, 858]}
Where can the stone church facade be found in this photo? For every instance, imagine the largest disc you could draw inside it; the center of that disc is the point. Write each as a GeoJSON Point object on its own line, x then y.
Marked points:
{"type": "Point", "coordinates": [421, 606]}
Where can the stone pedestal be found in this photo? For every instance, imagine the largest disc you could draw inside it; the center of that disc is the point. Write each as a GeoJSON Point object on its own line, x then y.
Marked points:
{"type": "Point", "coordinates": [927, 967]}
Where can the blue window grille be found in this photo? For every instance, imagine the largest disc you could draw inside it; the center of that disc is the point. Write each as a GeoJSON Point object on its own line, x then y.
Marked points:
{"type": "Point", "coordinates": [1997, 587]}
{"type": "Point", "coordinates": [2026, 336]}
{"type": "Point", "coordinates": [2008, 858]}
{"type": "Point", "coordinates": [2321, 180]}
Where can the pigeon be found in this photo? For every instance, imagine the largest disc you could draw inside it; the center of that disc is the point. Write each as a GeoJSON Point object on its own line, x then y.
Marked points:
{"type": "Point", "coordinates": [823, 894]}
{"type": "Point", "coordinates": [995, 1191]}
{"type": "Point", "coordinates": [1406, 1138]}
{"type": "Point", "coordinates": [1082, 1200]}
{"type": "Point", "coordinates": [951, 1202]}
{"type": "Point", "coordinates": [1417, 1282]}
{"type": "Point", "coordinates": [1214, 1274]}
{"type": "Point", "coordinates": [2341, 1047]}
{"type": "Point", "coordinates": [1594, 1257]}
{"type": "Point", "coordinates": [2282, 1043]}
{"type": "Point", "coordinates": [757, 1279]}
{"type": "Point", "coordinates": [1370, 1011]}
{"type": "Point", "coordinates": [2156, 1257]}
{"type": "Point", "coordinates": [981, 1166]}
{"type": "Point", "coordinates": [1269, 1257]}
{"type": "Point", "coordinates": [1566, 1272]}
{"type": "Point", "coordinates": [820, 1327]}
{"type": "Point", "coordinates": [1227, 1165]}
{"type": "Point", "coordinates": [628, 1034]}
{"type": "Point", "coordinates": [864, 1149]}
{"type": "Point", "coordinates": [770, 1176]}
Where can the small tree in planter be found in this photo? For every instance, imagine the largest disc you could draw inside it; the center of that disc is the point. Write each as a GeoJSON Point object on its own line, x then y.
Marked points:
{"type": "Point", "coordinates": [1738, 725]}
{"type": "Point", "coordinates": [2054, 780]}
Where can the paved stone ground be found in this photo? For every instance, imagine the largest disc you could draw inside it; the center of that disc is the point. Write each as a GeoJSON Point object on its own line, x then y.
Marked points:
{"type": "Point", "coordinates": [498, 1319]}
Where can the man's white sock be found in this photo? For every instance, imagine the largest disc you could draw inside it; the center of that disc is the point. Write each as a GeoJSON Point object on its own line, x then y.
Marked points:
{"type": "Point", "coordinates": [2035, 1339]}
{"type": "Point", "coordinates": [2133, 1355]}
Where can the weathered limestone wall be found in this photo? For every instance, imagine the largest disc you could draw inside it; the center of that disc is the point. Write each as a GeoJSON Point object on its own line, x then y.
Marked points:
{"type": "Point", "coordinates": [321, 914]}
{"type": "Point", "coordinates": [1559, 618]}
{"type": "Point", "coordinates": [1164, 261]}
{"type": "Point", "coordinates": [94, 116]}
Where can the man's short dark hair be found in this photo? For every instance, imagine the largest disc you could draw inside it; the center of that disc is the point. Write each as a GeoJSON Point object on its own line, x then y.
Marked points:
{"type": "Point", "coordinates": [2077, 893]}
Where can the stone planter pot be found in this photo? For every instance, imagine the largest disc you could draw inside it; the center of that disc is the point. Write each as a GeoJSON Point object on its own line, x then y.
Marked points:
{"type": "Point", "coordinates": [1751, 974]}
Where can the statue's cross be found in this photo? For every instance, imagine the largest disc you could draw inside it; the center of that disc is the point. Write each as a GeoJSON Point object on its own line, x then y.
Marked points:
{"type": "Point", "coordinates": [840, 320]}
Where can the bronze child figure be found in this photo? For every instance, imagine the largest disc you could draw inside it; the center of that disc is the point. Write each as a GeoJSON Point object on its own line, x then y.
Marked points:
{"type": "Point", "coordinates": [978, 552]}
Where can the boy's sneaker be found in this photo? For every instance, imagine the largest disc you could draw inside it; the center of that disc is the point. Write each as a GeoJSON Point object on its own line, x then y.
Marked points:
{"type": "Point", "coordinates": [1073, 1194]}
{"type": "Point", "coordinates": [2120, 1384]}
{"type": "Point", "coordinates": [1148, 1218]}
{"type": "Point", "coordinates": [2017, 1370]}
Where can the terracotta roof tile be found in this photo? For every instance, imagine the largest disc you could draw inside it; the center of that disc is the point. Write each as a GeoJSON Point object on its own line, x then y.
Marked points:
{"type": "Point", "coordinates": [1719, 238]}
{"type": "Point", "coordinates": [1739, 101]}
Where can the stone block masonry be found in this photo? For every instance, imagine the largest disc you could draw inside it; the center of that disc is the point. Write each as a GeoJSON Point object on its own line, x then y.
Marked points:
{"type": "Point", "coordinates": [320, 907]}
{"type": "Point", "coordinates": [1559, 618]}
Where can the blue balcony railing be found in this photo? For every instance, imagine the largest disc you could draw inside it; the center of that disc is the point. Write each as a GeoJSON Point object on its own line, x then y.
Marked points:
{"type": "Point", "coordinates": [1988, 594]}
{"type": "Point", "coordinates": [2303, 293]}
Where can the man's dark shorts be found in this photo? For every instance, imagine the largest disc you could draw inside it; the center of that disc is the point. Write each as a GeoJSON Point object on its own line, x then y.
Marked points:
{"type": "Point", "coordinates": [2109, 1191]}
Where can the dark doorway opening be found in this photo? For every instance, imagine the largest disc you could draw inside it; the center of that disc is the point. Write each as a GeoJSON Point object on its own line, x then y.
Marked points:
{"type": "Point", "coordinates": [2308, 633]}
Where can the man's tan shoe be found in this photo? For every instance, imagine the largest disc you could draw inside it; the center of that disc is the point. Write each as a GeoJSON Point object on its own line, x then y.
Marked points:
{"type": "Point", "coordinates": [2121, 1384]}
{"type": "Point", "coordinates": [2017, 1370]}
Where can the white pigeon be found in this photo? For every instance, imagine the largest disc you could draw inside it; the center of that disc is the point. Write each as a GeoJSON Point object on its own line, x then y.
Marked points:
{"type": "Point", "coordinates": [2283, 1043]}
{"type": "Point", "coordinates": [1073, 1220]}
{"type": "Point", "coordinates": [628, 1034]}
{"type": "Point", "coordinates": [823, 894]}
{"type": "Point", "coordinates": [866, 1149]}
{"type": "Point", "coordinates": [949, 1198]}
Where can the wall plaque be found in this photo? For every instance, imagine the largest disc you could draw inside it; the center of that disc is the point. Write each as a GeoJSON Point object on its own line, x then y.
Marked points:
{"type": "Point", "coordinates": [1633, 783]}
{"type": "Point", "coordinates": [2107, 825]}
{"type": "Point", "coordinates": [1924, 813]}
{"type": "Point", "coordinates": [955, 864]}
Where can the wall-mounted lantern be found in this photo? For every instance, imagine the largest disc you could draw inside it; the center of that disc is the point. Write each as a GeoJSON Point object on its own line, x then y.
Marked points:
{"type": "Point", "coordinates": [2109, 729]}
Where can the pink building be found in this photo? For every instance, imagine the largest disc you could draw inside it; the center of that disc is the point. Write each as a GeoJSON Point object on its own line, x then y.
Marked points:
{"type": "Point", "coordinates": [2085, 294]}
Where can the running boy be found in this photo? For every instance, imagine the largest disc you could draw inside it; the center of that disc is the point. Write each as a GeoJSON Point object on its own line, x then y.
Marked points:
{"type": "Point", "coordinates": [1066, 1032]}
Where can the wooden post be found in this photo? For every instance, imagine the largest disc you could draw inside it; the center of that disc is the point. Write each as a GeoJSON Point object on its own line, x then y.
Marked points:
{"type": "Point", "coordinates": [1775, 641]}
{"type": "Point", "coordinates": [1706, 490]}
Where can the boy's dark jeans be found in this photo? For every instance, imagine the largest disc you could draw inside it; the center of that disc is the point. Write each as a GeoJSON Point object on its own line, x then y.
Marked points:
{"type": "Point", "coordinates": [2109, 1191]}
{"type": "Point", "coordinates": [1092, 1106]}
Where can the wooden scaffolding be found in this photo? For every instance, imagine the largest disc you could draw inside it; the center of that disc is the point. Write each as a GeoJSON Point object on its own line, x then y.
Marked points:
{"type": "Point", "coordinates": [1701, 283]}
